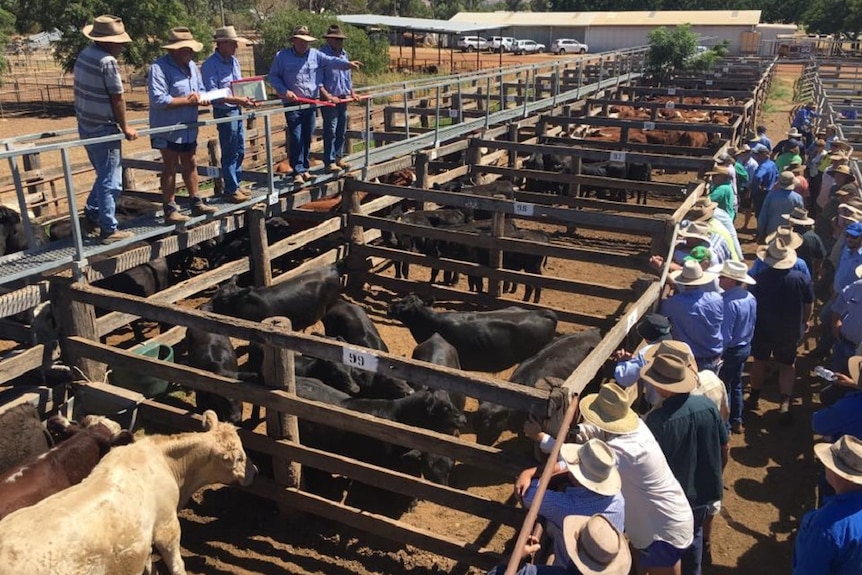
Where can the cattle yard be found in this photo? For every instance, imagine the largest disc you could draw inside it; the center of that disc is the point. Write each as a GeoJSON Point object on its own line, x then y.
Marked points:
{"type": "Point", "coordinates": [520, 152]}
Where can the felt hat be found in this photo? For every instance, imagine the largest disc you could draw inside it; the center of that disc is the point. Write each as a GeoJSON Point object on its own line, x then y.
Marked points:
{"type": "Point", "coordinates": [228, 34]}
{"type": "Point", "coordinates": [653, 327]}
{"type": "Point", "coordinates": [672, 347]}
{"type": "Point", "coordinates": [776, 254]}
{"type": "Point", "coordinates": [786, 181]}
{"type": "Point", "coordinates": [595, 546]}
{"type": "Point", "coordinates": [838, 156]}
{"type": "Point", "coordinates": [843, 169]}
{"type": "Point", "coordinates": [699, 230]}
{"type": "Point", "coordinates": [301, 33]}
{"type": "Point", "coordinates": [609, 409]}
{"type": "Point", "coordinates": [744, 148]}
{"type": "Point", "coordinates": [593, 465]}
{"type": "Point", "coordinates": [736, 271]}
{"type": "Point", "coordinates": [179, 38]}
{"type": "Point", "coordinates": [334, 31]}
{"type": "Point", "coordinates": [794, 133]}
{"type": "Point", "coordinates": [691, 274]}
{"type": "Point", "coordinates": [669, 372]}
{"type": "Point", "coordinates": [702, 209]}
{"type": "Point", "coordinates": [844, 457]}
{"type": "Point", "coordinates": [107, 28]}
{"type": "Point", "coordinates": [787, 235]}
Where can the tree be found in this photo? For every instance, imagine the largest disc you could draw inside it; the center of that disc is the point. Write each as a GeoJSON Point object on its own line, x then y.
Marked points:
{"type": "Point", "coordinates": [833, 17]}
{"type": "Point", "coordinates": [7, 26]}
{"type": "Point", "coordinates": [670, 49]}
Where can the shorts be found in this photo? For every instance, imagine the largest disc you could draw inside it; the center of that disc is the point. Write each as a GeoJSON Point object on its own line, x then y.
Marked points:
{"type": "Point", "coordinates": [745, 199]}
{"type": "Point", "coordinates": [660, 554]}
{"type": "Point", "coordinates": [182, 148]}
{"type": "Point", "coordinates": [781, 346]}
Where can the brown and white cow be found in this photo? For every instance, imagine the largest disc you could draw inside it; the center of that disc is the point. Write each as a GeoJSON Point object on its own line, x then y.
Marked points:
{"type": "Point", "coordinates": [65, 465]}
{"type": "Point", "coordinates": [108, 523]}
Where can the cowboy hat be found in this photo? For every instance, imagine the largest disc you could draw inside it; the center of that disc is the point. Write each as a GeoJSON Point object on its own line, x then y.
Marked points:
{"type": "Point", "coordinates": [786, 233]}
{"type": "Point", "coordinates": [697, 230]}
{"type": "Point", "coordinates": [844, 458]}
{"type": "Point", "coordinates": [334, 31]}
{"type": "Point", "coordinates": [799, 217]}
{"type": "Point", "coordinates": [595, 546]}
{"type": "Point", "coordinates": [777, 255]}
{"type": "Point", "coordinates": [609, 409]}
{"type": "Point", "coordinates": [744, 148]}
{"type": "Point", "coordinates": [182, 38]}
{"type": "Point", "coordinates": [679, 349]}
{"type": "Point", "coordinates": [653, 327]}
{"type": "Point", "coordinates": [842, 169]}
{"type": "Point", "coordinates": [838, 157]}
{"type": "Point", "coordinates": [691, 274]}
{"type": "Point", "coordinates": [301, 33]}
{"type": "Point", "coordinates": [786, 181]}
{"type": "Point", "coordinates": [670, 373]}
{"type": "Point", "coordinates": [737, 271]}
{"type": "Point", "coordinates": [228, 34]}
{"type": "Point", "coordinates": [107, 28]}
{"type": "Point", "coordinates": [841, 145]}
{"type": "Point", "coordinates": [794, 133]}
{"type": "Point", "coordinates": [702, 209]}
{"type": "Point", "coordinates": [594, 465]}
{"type": "Point", "coordinates": [854, 364]}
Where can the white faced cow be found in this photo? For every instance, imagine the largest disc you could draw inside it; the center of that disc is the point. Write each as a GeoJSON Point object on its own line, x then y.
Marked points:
{"type": "Point", "coordinates": [108, 523]}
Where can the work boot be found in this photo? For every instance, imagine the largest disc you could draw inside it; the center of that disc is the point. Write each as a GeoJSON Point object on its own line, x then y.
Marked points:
{"type": "Point", "coordinates": [307, 176]}
{"type": "Point", "coordinates": [116, 236]}
{"type": "Point", "coordinates": [737, 428]}
{"type": "Point", "coordinates": [342, 164]}
{"type": "Point", "coordinates": [753, 403]}
{"type": "Point", "coordinates": [173, 216]}
{"type": "Point", "coordinates": [298, 180]}
{"type": "Point", "coordinates": [237, 197]}
{"type": "Point", "coordinates": [784, 414]}
{"type": "Point", "coordinates": [333, 168]}
{"type": "Point", "coordinates": [199, 208]}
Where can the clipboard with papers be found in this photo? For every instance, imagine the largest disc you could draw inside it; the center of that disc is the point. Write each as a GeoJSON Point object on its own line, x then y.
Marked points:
{"type": "Point", "coordinates": [253, 87]}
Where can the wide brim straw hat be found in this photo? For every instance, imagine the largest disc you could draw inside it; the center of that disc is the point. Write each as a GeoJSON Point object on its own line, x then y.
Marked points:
{"type": "Point", "coordinates": [702, 209]}
{"type": "Point", "coordinates": [786, 180]}
{"type": "Point", "coordinates": [301, 33]}
{"type": "Point", "coordinates": [609, 410]}
{"type": "Point", "coordinates": [844, 458]}
{"type": "Point", "coordinates": [180, 38]}
{"type": "Point", "coordinates": [595, 546]}
{"type": "Point", "coordinates": [672, 347]}
{"type": "Point", "coordinates": [691, 274]}
{"type": "Point", "coordinates": [228, 34]}
{"type": "Point", "coordinates": [334, 31]}
{"type": "Point", "coordinates": [107, 28]}
{"type": "Point", "coordinates": [737, 271]}
{"type": "Point", "coordinates": [791, 239]}
{"type": "Point", "coordinates": [799, 217]}
{"type": "Point", "coordinates": [669, 372]}
{"type": "Point", "coordinates": [593, 465]}
{"type": "Point", "coordinates": [776, 254]}
{"type": "Point", "coordinates": [699, 230]}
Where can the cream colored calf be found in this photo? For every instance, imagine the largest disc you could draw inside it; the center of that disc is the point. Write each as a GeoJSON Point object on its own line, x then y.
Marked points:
{"type": "Point", "coordinates": [108, 523]}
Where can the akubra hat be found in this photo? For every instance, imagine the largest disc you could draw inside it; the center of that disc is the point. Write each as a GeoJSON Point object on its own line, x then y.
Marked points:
{"type": "Point", "coordinates": [787, 181]}
{"type": "Point", "coordinates": [301, 33]}
{"type": "Point", "coordinates": [844, 458]}
{"type": "Point", "coordinates": [799, 217]}
{"type": "Point", "coordinates": [669, 372]}
{"type": "Point", "coordinates": [679, 349]}
{"type": "Point", "coordinates": [593, 465]}
{"type": "Point", "coordinates": [699, 230]}
{"type": "Point", "coordinates": [179, 38]}
{"type": "Point", "coordinates": [609, 410]}
{"type": "Point", "coordinates": [794, 133]}
{"type": "Point", "coordinates": [777, 255]}
{"type": "Point", "coordinates": [691, 274]}
{"type": "Point", "coordinates": [107, 28]}
{"type": "Point", "coordinates": [702, 209]}
{"type": "Point", "coordinates": [786, 233]}
{"type": "Point", "coordinates": [334, 31]}
{"type": "Point", "coordinates": [228, 34]}
{"type": "Point", "coordinates": [737, 271]}
{"type": "Point", "coordinates": [595, 546]}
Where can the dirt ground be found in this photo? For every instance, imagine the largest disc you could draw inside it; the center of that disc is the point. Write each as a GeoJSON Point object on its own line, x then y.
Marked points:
{"type": "Point", "coordinates": [769, 482]}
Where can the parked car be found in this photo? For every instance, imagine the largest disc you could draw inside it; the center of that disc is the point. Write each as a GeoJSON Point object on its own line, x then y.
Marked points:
{"type": "Point", "coordinates": [568, 46]}
{"type": "Point", "coordinates": [528, 47]}
{"type": "Point", "coordinates": [501, 44]}
{"type": "Point", "coordinates": [471, 43]}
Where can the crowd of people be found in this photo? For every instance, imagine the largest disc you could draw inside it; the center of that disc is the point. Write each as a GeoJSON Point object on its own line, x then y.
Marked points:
{"type": "Point", "coordinates": [656, 478]}
{"type": "Point", "coordinates": [178, 88]}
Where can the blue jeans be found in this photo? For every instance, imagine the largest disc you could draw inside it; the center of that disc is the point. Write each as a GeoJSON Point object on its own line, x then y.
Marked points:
{"type": "Point", "coordinates": [693, 556]}
{"type": "Point", "coordinates": [334, 127]}
{"type": "Point", "coordinates": [231, 139]}
{"type": "Point", "coordinates": [108, 185]}
{"type": "Point", "coordinates": [530, 569]}
{"type": "Point", "coordinates": [731, 374]}
{"type": "Point", "coordinates": [300, 127]}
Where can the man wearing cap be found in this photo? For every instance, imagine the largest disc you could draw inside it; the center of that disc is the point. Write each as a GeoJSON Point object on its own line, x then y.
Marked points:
{"type": "Point", "coordinates": [218, 71]}
{"type": "Point", "coordinates": [336, 87]}
{"type": "Point", "coordinates": [101, 111]}
{"type": "Point", "coordinates": [295, 73]}
{"type": "Point", "coordinates": [696, 314]}
{"type": "Point", "coordinates": [779, 201]}
{"type": "Point", "coordinates": [765, 178]}
{"type": "Point", "coordinates": [659, 521]}
{"type": "Point", "coordinates": [829, 541]}
{"type": "Point", "coordinates": [721, 189]}
{"type": "Point", "coordinates": [804, 121]}
{"type": "Point", "coordinates": [174, 86]}
{"type": "Point", "coordinates": [811, 250]}
{"type": "Point", "coordinates": [693, 438]}
{"type": "Point", "coordinates": [785, 298]}
{"type": "Point", "coordinates": [594, 488]}
{"type": "Point", "coordinates": [737, 331]}
{"type": "Point", "coordinates": [653, 329]}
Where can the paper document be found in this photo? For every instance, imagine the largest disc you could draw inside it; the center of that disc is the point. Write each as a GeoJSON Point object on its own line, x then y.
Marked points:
{"type": "Point", "coordinates": [216, 94]}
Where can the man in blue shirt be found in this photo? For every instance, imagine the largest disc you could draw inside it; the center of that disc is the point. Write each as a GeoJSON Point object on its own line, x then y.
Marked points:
{"type": "Point", "coordinates": [842, 417]}
{"type": "Point", "coordinates": [295, 73]}
{"type": "Point", "coordinates": [829, 541]}
{"type": "Point", "coordinates": [336, 87]}
{"type": "Point", "coordinates": [847, 323]}
{"type": "Point", "coordinates": [219, 71]}
{"type": "Point", "coordinates": [737, 331]}
{"type": "Point", "coordinates": [778, 202]}
{"type": "Point", "coordinates": [850, 112]}
{"type": "Point", "coordinates": [765, 177]}
{"type": "Point", "coordinates": [804, 121]}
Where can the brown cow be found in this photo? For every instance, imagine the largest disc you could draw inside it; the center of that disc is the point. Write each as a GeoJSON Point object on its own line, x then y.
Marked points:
{"type": "Point", "coordinates": [61, 467]}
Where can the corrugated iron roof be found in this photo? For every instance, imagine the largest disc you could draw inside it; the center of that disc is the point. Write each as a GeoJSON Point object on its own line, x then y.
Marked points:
{"type": "Point", "coordinates": [640, 18]}
{"type": "Point", "coordinates": [418, 24]}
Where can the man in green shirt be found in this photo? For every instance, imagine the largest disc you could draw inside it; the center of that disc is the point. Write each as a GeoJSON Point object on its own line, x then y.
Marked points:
{"type": "Point", "coordinates": [720, 190]}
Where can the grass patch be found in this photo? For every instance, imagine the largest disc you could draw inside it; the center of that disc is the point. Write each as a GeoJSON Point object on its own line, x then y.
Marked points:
{"type": "Point", "coordinates": [779, 94]}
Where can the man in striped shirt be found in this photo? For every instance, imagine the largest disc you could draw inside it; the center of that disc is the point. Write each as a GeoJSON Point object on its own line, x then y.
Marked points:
{"type": "Point", "coordinates": [101, 111]}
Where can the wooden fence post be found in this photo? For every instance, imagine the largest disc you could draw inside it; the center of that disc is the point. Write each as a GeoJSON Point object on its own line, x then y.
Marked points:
{"type": "Point", "coordinates": [34, 162]}
{"type": "Point", "coordinates": [260, 260]}
{"type": "Point", "coordinates": [357, 267]}
{"type": "Point", "coordinates": [250, 127]}
{"type": "Point", "coordinates": [214, 152]}
{"type": "Point", "coordinates": [495, 255]}
{"type": "Point", "coordinates": [512, 136]}
{"type": "Point", "coordinates": [75, 318]}
{"type": "Point", "coordinates": [279, 374]}
{"type": "Point", "coordinates": [423, 118]}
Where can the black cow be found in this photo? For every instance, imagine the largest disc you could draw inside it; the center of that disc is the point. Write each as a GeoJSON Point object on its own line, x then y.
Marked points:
{"type": "Point", "coordinates": [237, 244]}
{"type": "Point", "coordinates": [557, 359]}
{"type": "Point", "coordinates": [486, 341]}
{"type": "Point", "coordinates": [547, 163]}
{"type": "Point", "coordinates": [303, 299]}
{"type": "Point", "coordinates": [441, 218]}
{"type": "Point", "coordinates": [13, 237]}
{"type": "Point", "coordinates": [637, 171]}
{"type": "Point", "coordinates": [142, 281]}
{"type": "Point", "coordinates": [336, 375]}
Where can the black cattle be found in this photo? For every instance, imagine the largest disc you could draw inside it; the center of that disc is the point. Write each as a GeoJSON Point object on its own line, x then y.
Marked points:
{"type": "Point", "coordinates": [486, 341]}
{"type": "Point", "coordinates": [303, 299]}
{"type": "Point", "coordinates": [142, 281]}
{"type": "Point", "coordinates": [557, 359]}
{"type": "Point", "coordinates": [434, 218]}
{"type": "Point", "coordinates": [547, 163]}
{"type": "Point", "coordinates": [13, 236]}
{"type": "Point", "coordinates": [458, 251]}
{"type": "Point", "coordinates": [336, 375]}
{"type": "Point", "coordinates": [237, 244]}
{"type": "Point", "coordinates": [640, 172]}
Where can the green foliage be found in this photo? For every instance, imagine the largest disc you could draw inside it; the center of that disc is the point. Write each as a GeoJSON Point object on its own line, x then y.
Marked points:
{"type": "Point", "coordinates": [671, 49]}
{"type": "Point", "coordinates": [7, 26]}
{"type": "Point", "coordinates": [372, 51]}
{"type": "Point", "coordinates": [833, 17]}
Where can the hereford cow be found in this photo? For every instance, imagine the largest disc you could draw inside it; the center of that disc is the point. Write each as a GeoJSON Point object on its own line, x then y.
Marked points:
{"type": "Point", "coordinates": [63, 466]}
{"type": "Point", "coordinates": [486, 341]}
{"type": "Point", "coordinates": [127, 504]}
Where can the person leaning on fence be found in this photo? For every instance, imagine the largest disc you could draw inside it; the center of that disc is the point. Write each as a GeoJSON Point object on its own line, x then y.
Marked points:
{"type": "Point", "coordinates": [101, 111]}
{"type": "Point", "coordinates": [218, 71]}
{"type": "Point", "coordinates": [295, 73]}
{"type": "Point", "coordinates": [174, 86]}
{"type": "Point", "coordinates": [336, 86]}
